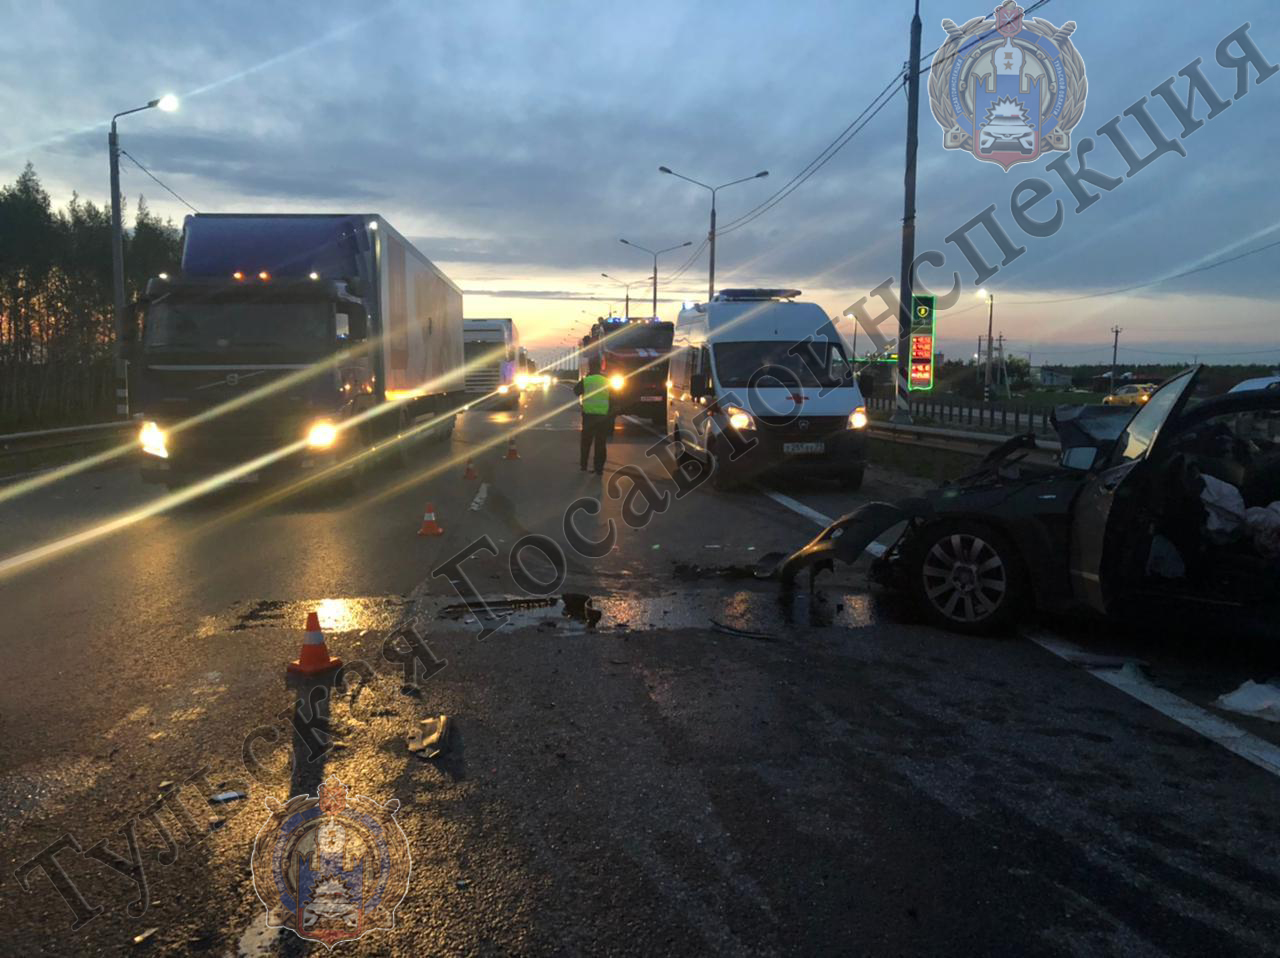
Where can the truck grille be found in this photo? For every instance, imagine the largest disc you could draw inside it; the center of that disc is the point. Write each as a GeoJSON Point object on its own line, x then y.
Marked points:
{"type": "Point", "coordinates": [483, 379]}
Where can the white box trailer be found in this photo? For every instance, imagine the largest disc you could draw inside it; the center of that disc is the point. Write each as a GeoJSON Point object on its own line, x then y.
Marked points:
{"type": "Point", "coordinates": [421, 312]}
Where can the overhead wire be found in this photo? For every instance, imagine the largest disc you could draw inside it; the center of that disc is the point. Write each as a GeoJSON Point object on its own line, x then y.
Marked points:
{"type": "Point", "coordinates": [161, 183]}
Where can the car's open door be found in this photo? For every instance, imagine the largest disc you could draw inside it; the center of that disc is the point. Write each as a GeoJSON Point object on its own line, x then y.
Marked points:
{"type": "Point", "coordinates": [1097, 526]}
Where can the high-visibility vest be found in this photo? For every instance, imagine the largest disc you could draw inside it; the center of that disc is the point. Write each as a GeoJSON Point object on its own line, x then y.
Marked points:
{"type": "Point", "coordinates": [595, 395]}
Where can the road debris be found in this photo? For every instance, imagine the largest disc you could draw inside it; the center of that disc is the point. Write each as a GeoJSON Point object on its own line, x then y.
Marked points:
{"type": "Point", "coordinates": [224, 797]}
{"type": "Point", "coordinates": [430, 741]}
{"type": "Point", "coordinates": [143, 936]}
{"type": "Point", "coordinates": [1261, 700]}
{"type": "Point", "coordinates": [578, 605]}
{"type": "Point", "coordinates": [741, 633]}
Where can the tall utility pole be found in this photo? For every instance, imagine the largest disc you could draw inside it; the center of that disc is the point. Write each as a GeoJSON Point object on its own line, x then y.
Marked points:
{"type": "Point", "coordinates": [902, 410]}
{"type": "Point", "coordinates": [655, 254]}
{"type": "Point", "coordinates": [1115, 346]}
{"type": "Point", "coordinates": [1004, 371]}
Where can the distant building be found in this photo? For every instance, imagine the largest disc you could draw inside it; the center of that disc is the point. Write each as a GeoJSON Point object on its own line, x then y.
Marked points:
{"type": "Point", "coordinates": [1043, 376]}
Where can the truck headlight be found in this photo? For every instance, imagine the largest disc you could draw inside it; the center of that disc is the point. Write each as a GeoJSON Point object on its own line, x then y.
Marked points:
{"type": "Point", "coordinates": [152, 439]}
{"type": "Point", "coordinates": [522, 381]}
{"type": "Point", "coordinates": [322, 434]}
{"type": "Point", "coordinates": [503, 389]}
{"type": "Point", "coordinates": [858, 418]}
{"type": "Point", "coordinates": [739, 419]}
{"type": "Point", "coordinates": [617, 381]}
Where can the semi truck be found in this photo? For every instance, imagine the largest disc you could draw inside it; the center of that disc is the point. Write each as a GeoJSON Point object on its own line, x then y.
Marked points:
{"type": "Point", "coordinates": [292, 341]}
{"type": "Point", "coordinates": [633, 354]}
{"type": "Point", "coordinates": [493, 361]}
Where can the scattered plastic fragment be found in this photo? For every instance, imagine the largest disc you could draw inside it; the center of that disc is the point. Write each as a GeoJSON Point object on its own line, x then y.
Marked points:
{"type": "Point", "coordinates": [1258, 699]}
{"type": "Point", "coordinates": [223, 797]}
{"type": "Point", "coordinates": [140, 938]}
{"type": "Point", "coordinates": [431, 741]}
{"type": "Point", "coordinates": [462, 884]}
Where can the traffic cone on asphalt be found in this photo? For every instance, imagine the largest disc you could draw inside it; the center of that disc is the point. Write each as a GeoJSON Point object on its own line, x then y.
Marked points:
{"type": "Point", "coordinates": [511, 449]}
{"type": "Point", "coordinates": [314, 657]}
{"type": "Point", "coordinates": [429, 525]}
{"type": "Point", "coordinates": [471, 470]}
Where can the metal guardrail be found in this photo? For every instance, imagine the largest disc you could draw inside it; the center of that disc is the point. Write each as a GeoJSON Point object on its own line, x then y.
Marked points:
{"type": "Point", "coordinates": [20, 443]}
{"type": "Point", "coordinates": [953, 440]}
{"type": "Point", "coordinates": [1004, 417]}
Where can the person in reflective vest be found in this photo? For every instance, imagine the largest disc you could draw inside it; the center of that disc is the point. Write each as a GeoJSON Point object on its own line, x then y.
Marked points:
{"type": "Point", "coordinates": [596, 421]}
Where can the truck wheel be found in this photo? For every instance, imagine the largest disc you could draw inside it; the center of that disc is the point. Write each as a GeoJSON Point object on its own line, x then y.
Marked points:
{"type": "Point", "coordinates": [966, 576]}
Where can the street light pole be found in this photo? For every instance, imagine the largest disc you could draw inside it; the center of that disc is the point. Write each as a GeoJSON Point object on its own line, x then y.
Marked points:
{"type": "Point", "coordinates": [711, 233]}
{"type": "Point", "coordinates": [655, 254]}
{"type": "Point", "coordinates": [991, 310]}
{"type": "Point", "coordinates": [168, 104]}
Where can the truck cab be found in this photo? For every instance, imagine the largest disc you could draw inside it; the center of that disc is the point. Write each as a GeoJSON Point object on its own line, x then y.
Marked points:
{"type": "Point", "coordinates": [290, 341]}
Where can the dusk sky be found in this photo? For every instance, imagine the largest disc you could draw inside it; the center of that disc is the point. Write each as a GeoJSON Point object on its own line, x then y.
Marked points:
{"type": "Point", "coordinates": [516, 142]}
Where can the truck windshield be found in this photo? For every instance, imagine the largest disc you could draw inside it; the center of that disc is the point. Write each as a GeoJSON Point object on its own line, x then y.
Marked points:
{"type": "Point", "coordinates": [221, 326]}
{"type": "Point", "coordinates": [780, 363]}
{"type": "Point", "coordinates": [638, 336]}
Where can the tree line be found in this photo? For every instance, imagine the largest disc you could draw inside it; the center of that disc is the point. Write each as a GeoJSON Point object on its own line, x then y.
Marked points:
{"type": "Point", "coordinates": [56, 313]}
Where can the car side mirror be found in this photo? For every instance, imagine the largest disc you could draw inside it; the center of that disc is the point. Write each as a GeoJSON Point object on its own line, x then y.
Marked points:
{"type": "Point", "coordinates": [698, 386]}
{"type": "Point", "coordinates": [1080, 458]}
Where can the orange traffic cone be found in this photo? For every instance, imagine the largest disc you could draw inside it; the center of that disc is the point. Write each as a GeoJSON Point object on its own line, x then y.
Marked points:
{"type": "Point", "coordinates": [511, 449]}
{"type": "Point", "coordinates": [314, 657]}
{"type": "Point", "coordinates": [471, 470]}
{"type": "Point", "coordinates": [429, 525]}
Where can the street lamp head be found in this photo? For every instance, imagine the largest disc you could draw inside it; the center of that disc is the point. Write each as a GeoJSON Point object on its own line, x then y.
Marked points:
{"type": "Point", "coordinates": [664, 169]}
{"type": "Point", "coordinates": [683, 245]}
{"type": "Point", "coordinates": [168, 103]}
{"type": "Point", "coordinates": [624, 241]}
{"type": "Point", "coordinates": [761, 174]}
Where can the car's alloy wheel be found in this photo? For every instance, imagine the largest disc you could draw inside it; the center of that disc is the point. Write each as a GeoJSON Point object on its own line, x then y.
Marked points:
{"type": "Point", "coordinates": [965, 578]}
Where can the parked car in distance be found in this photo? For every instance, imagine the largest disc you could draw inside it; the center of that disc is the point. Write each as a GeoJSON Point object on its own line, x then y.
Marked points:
{"type": "Point", "coordinates": [1263, 382]}
{"type": "Point", "coordinates": [1133, 395]}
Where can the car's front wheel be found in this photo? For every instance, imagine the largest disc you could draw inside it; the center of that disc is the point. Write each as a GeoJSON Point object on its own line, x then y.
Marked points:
{"type": "Point", "coordinates": [966, 576]}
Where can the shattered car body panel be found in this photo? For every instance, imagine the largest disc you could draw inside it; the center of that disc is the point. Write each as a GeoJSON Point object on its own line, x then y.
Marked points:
{"type": "Point", "coordinates": [1120, 518]}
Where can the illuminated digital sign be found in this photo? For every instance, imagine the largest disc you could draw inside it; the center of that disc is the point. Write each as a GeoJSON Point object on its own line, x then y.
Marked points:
{"type": "Point", "coordinates": [921, 372]}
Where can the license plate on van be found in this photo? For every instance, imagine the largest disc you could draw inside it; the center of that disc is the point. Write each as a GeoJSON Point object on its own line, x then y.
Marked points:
{"type": "Point", "coordinates": [804, 448]}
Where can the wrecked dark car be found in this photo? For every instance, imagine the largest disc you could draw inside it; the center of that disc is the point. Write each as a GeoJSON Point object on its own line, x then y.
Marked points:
{"type": "Point", "coordinates": [1177, 502]}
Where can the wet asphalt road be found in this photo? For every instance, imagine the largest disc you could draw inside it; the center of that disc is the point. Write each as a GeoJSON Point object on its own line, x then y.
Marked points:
{"type": "Point", "coordinates": [842, 781]}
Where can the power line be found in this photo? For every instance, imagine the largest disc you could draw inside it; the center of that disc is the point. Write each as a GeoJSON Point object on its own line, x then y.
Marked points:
{"type": "Point", "coordinates": [760, 211]}
{"type": "Point", "coordinates": [973, 41]}
{"type": "Point", "coordinates": [1155, 282]}
{"type": "Point", "coordinates": [693, 258]}
{"type": "Point", "coordinates": [163, 185]}
{"type": "Point", "coordinates": [819, 161]}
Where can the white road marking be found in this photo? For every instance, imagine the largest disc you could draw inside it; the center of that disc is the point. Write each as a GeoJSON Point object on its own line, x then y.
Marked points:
{"type": "Point", "coordinates": [874, 548]}
{"type": "Point", "coordinates": [478, 502]}
{"type": "Point", "coordinates": [1129, 680]}
{"type": "Point", "coordinates": [813, 515]}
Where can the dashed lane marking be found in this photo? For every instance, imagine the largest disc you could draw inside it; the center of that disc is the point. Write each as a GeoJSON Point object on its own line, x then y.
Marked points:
{"type": "Point", "coordinates": [1130, 681]}
{"type": "Point", "coordinates": [813, 515]}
